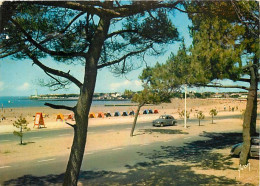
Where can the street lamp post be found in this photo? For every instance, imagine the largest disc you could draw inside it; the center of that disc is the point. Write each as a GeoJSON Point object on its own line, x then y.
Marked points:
{"type": "Point", "coordinates": [185, 116]}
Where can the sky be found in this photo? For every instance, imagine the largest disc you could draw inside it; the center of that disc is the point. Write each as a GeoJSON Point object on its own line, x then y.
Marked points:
{"type": "Point", "coordinates": [21, 78]}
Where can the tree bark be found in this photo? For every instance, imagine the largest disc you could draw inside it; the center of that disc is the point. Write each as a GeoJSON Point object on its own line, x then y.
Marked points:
{"type": "Point", "coordinates": [248, 117]}
{"type": "Point", "coordinates": [135, 119]}
{"type": "Point", "coordinates": [254, 113]}
{"type": "Point", "coordinates": [83, 106]}
{"type": "Point", "coordinates": [21, 137]}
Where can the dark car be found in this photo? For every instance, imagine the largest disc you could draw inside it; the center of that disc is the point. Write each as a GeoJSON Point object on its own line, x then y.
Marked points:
{"type": "Point", "coordinates": [164, 120]}
{"type": "Point", "coordinates": [254, 148]}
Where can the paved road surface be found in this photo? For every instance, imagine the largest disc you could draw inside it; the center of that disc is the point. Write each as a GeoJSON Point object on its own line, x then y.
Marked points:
{"type": "Point", "coordinates": [116, 159]}
{"type": "Point", "coordinates": [49, 133]}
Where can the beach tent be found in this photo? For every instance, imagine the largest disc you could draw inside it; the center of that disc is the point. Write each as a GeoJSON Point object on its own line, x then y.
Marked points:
{"type": "Point", "coordinates": [38, 120]}
{"type": "Point", "coordinates": [92, 115]}
{"type": "Point", "coordinates": [101, 115]}
{"type": "Point", "coordinates": [59, 116]}
{"type": "Point", "coordinates": [145, 112]}
{"type": "Point", "coordinates": [124, 113]}
{"type": "Point", "coordinates": [132, 113]}
{"type": "Point", "coordinates": [117, 113]}
{"type": "Point", "coordinates": [71, 116]}
{"type": "Point", "coordinates": [108, 114]}
{"type": "Point", "coordinates": [150, 111]}
{"type": "Point", "coordinates": [155, 111]}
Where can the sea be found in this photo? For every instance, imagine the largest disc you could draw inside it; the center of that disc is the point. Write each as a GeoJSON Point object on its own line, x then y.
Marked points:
{"type": "Point", "coordinates": [23, 101]}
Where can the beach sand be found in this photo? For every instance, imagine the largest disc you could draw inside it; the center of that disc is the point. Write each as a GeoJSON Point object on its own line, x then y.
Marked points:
{"type": "Point", "coordinates": [173, 108]}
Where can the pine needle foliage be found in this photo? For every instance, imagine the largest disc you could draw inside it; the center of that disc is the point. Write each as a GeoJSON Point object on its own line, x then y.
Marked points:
{"type": "Point", "coordinates": [21, 124]}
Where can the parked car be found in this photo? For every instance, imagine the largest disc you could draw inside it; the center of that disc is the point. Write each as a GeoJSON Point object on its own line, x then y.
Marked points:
{"type": "Point", "coordinates": [164, 120]}
{"type": "Point", "coordinates": [254, 148]}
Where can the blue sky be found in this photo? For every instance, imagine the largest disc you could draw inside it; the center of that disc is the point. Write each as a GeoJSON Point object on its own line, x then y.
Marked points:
{"type": "Point", "coordinates": [21, 78]}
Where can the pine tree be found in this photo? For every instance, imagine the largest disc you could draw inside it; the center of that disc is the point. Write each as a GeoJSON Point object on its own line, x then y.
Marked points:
{"type": "Point", "coordinates": [21, 124]}
{"type": "Point", "coordinates": [200, 116]}
{"type": "Point", "coordinates": [213, 112]}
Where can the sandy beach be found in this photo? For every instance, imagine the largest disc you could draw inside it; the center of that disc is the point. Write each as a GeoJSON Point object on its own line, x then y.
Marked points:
{"type": "Point", "coordinates": [173, 108]}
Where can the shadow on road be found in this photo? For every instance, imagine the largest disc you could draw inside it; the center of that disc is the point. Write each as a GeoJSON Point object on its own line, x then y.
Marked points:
{"type": "Point", "coordinates": [153, 174]}
{"type": "Point", "coordinates": [163, 131]}
{"type": "Point", "coordinates": [198, 153]}
{"type": "Point", "coordinates": [159, 168]}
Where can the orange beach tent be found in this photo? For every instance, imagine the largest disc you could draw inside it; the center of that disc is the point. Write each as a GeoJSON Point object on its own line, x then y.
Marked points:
{"type": "Point", "coordinates": [92, 115]}
{"type": "Point", "coordinates": [59, 116]}
{"type": "Point", "coordinates": [71, 116]}
{"type": "Point", "coordinates": [101, 115]}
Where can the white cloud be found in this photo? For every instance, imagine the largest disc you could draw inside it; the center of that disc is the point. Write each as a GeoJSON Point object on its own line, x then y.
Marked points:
{"type": "Point", "coordinates": [24, 86]}
{"type": "Point", "coordinates": [121, 86]}
{"type": "Point", "coordinates": [1, 85]}
{"type": "Point", "coordinates": [138, 83]}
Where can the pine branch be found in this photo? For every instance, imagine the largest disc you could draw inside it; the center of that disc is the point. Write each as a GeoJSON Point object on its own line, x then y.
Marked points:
{"type": "Point", "coordinates": [59, 106]}
{"type": "Point", "coordinates": [222, 86]}
{"type": "Point", "coordinates": [98, 8]}
{"type": "Point", "coordinates": [244, 80]}
{"type": "Point", "coordinates": [123, 57]}
{"type": "Point", "coordinates": [120, 32]}
{"type": "Point", "coordinates": [40, 47]}
{"type": "Point", "coordinates": [53, 71]}
{"type": "Point", "coordinates": [73, 126]}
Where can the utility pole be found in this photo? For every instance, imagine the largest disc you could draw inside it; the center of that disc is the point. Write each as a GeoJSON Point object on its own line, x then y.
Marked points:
{"type": "Point", "coordinates": [185, 117]}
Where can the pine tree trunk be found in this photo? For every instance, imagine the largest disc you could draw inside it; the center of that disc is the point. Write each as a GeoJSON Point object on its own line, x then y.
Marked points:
{"type": "Point", "coordinates": [199, 122]}
{"type": "Point", "coordinates": [135, 119]}
{"type": "Point", "coordinates": [254, 114]}
{"type": "Point", "coordinates": [83, 106]}
{"type": "Point", "coordinates": [247, 118]}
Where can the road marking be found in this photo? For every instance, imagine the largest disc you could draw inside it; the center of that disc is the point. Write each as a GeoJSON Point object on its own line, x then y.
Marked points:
{"type": "Point", "coordinates": [4, 167]}
{"type": "Point", "coordinates": [187, 138]}
{"type": "Point", "coordinates": [117, 149]}
{"type": "Point", "coordinates": [36, 137]}
{"type": "Point", "coordinates": [5, 140]}
{"type": "Point", "coordinates": [46, 160]}
{"type": "Point", "coordinates": [64, 134]}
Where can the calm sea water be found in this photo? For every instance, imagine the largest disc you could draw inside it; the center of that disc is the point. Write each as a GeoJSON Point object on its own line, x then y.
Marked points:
{"type": "Point", "coordinates": [12, 102]}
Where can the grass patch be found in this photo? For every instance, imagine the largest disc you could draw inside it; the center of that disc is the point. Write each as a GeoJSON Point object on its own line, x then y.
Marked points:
{"type": "Point", "coordinates": [6, 152]}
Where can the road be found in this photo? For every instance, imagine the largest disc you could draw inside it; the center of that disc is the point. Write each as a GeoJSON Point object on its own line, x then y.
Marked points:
{"type": "Point", "coordinates": [115, 159]}
{"type": "Point", "coordinates": [51, 133]}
